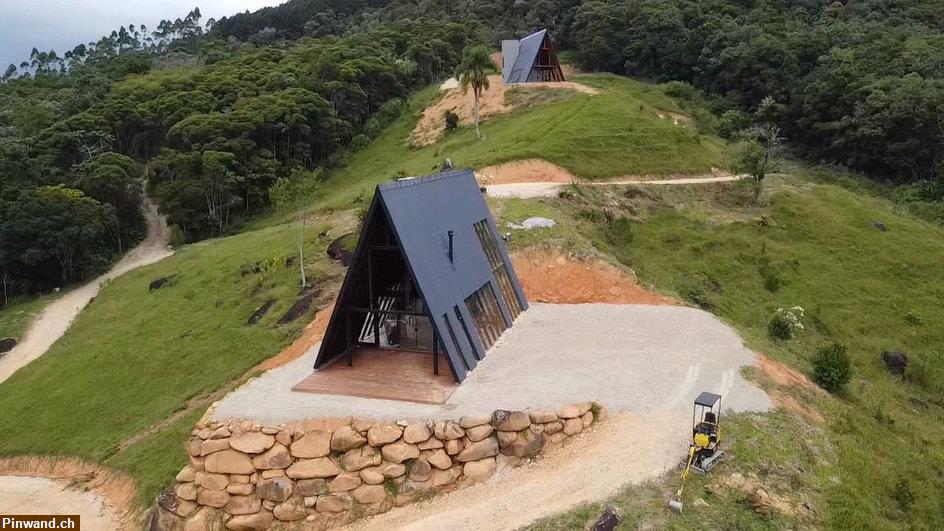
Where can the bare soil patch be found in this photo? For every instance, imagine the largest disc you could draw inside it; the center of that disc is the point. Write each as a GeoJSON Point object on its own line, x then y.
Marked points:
{"type": "Point", "coordinates": [554, 277]}
{"type": "Point", "coordinates": [106, 494]}
{"type": "Point", "coordinates": [311, 335]}
{"type": "Point", "coordinates": [432, 124]}
{"type": "Point", "coordinates": [788, 382]}
{"type": "Point", "coordinates": [524, 171]}
{"type": "Point", "coordinates": [677, 118]}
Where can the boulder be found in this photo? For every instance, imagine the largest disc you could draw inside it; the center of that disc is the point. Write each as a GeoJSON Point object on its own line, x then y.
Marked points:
{"type": "Point", "coordinates": [382, 434]}
{"type": "Point", "coordinates": [243, 505]}
{"type": "Point", "coordinates": [239, 478]}
{"type": "Point", "coordinates": [335, 503]}
{"type": "Point", "coordinates": [186, 491]}
{"type": "Point", "coordinates": [213, 481]}
{"type": "Point", "coordinates": [220, 433]}
{"type": "Point", "coordinates": [505, 438]}
{"type": "Point", "coordinates": [609, 520]}
{"type": "Point", "coordinates": [320, 467]}
{"type": "Point", "coordinates": [474, 420]}
{"type": "Point", "coordinates": [439, 459]}
{"type": "Point", "coordinates": [7, 344]}
{"type": "Point", "coordinates": [212, 498]}
{"type": "Point", "coordinates": [260, 312]}
{"type": "Point", "coordinates": [569, 412]}
{"type": "Point", "coordinates": [421, 470]}
{"type": "Point", "coordinates": [312, 444]}
{"type": "Point", "coordinates": [159, 283]}
{"type": "Point", "coordinates": [392, 470]}
{"type": "Point", "coordinates": [895, 362]}
{"type": "Point", "coordinates": [479, 470]}
{"type": "Point", "coordinates": [275, 489]}
{"type": "Point", "coordinates": [441, 478]}
{"type": "Point", "coordinates": [478, 450]}
{"type": "Point", "coordinates": [454, 446]}
{"type": "Point", "coordinates": [229, 462]}
{"type": "Point", "coordinates": [251, 442]}
{"type": "Point", "coordinates": [369, 493]}
{"type": "Point", "coordinates": [573, 426]}
{"type": "Point", "coordinates": [239, 489]}
{"type": "Point", "coordinates": [205, 519]}
{"type": "Point", "coordinates": [210, 446]}
{"type": "Point", "coordinates": [553, 427]}
{"type": "Point", "coordinates": [344, 482]}
{"type": "Point", "coordinates": [298, 309]}
{"type": "Point", "coordinates": [539, 416]}
{"type": "Point", "coordinates": [311, 487]}
{"type": "Point", "coordinates": [269, 474]}
{"type": "Point", "coordinates": [525, 446]}
{"type": "Point", "coordinates": [430, 444]}
{"type": "Point", "coordinates": [448, 430]}
{"type": "Point", "coordinates": [248, 522]}
{"type": "Point", "coordinates": [372, 476]}
{"type": "Point", "coordinates": [399, 452]}
{"type": "Point", "coordinates": [342, 248]}
{"type": "Point", "coordinates": [290, 511]}
{"type": "Point", "coordinates": [360, 458]}
{"type": "Point", "coordinates": [346, 438]}
{"type": "Point", "coordinates": [478, 433]}
{"type": "Point", "coordinates": [277, 457]}
{"type": "Point", "coordinates": [556, 438]}
{"type": "Point", "coordinates": [504, 420]}
{"type": "Point", "coordinates": [879, 226]}
{"type": "Point", "coordinates": [416, 433]}
{"type": "Point", "coordinates": [186, 474]}
{"type": "Point", "coordinates": [587, 419]}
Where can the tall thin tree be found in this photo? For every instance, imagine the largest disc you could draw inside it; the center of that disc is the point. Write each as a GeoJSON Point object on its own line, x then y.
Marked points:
{"type": "Point", "coordinates": [473, 71]}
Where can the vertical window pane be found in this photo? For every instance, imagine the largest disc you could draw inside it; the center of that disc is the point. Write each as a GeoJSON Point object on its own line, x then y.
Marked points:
{"type": "Point", "coordinates": [499, 269]}
{"type": "Point", "coordinates": [483, 306]}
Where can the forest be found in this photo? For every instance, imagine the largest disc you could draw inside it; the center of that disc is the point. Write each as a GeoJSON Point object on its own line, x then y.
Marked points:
{"type": "Point", "coordinates": [210, 114]}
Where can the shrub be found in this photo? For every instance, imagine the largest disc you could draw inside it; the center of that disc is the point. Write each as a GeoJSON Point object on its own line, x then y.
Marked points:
{"type": "Point", "coordinates": [832, 368]}
{"type": "Point", "coordinates": [452, 121]}
{"type": "Point", "coordinates": [731, 123]}
{"type": "Point", "coordinates": [176, 238]}
{"type": "Point", "coordinates": [699, 290]}
{"type": "Point", "coordinates": [785, 323]}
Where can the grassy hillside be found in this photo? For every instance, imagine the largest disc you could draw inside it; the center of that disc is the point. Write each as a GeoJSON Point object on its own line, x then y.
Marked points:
{"type": "Point", "coordinates": [614, 133]}
{"type": "Point", "coordinates": [878, 459]}
{"type": "Point", "coordinates": [17, 316]}
{"type": "Point", "coordinates": [134, 357]}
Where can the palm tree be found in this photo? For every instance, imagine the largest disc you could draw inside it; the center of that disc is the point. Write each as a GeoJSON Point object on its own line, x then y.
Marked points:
{"type": "Point", "coordinates": [473, 71]}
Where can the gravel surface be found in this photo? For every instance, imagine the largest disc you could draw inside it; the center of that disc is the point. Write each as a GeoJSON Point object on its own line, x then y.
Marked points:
{"type": "Point", "coordinates": [35, 495]}
{"type": "Point", "coordinates": [634, 358]}
{"type": "Point", "coordinates": [57, 316]}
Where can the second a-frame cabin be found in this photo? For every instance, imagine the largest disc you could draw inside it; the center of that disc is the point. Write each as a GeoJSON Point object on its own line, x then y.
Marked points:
{"type": "Point", "coordinates": [430, 274]}
{"type": "Point", "coordinates": [533, 59]}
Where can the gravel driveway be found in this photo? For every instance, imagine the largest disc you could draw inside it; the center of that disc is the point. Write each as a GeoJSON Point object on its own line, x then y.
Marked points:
{"type": "Point", "coordinates": [633, 358]}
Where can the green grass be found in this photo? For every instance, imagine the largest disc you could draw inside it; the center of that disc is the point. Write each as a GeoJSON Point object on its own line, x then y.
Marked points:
{"type": "Point", "coordinates": [15, 318]}
{"type": "Point", "coordinates": [134, 357]}
{"type": "Point", "coordinates": [812, 245]}
{"type": "Point", "coordinates": [617, 132]}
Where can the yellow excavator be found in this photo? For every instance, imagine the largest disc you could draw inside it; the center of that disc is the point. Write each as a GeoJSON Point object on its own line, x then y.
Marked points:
{"type": "Point", "coordinates": [703, 452]}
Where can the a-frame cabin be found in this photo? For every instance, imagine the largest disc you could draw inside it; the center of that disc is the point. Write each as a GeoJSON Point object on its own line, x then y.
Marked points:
{"type": "Point", "coordinates": [533, 59]}
{"type": "Point", "coordinates": [430, 274]}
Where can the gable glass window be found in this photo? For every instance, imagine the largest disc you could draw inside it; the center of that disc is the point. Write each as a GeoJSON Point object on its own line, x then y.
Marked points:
{"type": "Point", "coordinates": [483, 306]}
{"type": "Point", "coordinates": [499, 270]}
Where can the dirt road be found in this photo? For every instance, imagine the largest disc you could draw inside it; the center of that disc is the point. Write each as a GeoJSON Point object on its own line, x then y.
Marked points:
{"type": "Point", "coordinates": [33, 495]}
{"type": "Point", "coordinates": [55, 319]}
{"type": "Point", "coordinates": [627, 448]}
{"type": "Point", "coordinates": [551, 189]}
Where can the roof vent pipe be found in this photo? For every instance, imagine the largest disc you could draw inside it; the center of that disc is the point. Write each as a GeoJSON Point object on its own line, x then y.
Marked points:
{"type": "Point", "coordinates": [451, 234]}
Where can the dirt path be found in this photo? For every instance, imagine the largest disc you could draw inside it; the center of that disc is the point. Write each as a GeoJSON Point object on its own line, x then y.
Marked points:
{"type": "Point", "coordinates": [627, 448]}
{"type": "Point", "coordinates": [34, 495]}
{"type": "Point", "coordinates": [55, 319]}
{"type": "Point", "coordinates": [539, 178]}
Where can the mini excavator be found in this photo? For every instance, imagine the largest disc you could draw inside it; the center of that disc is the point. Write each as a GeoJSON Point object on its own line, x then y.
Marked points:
{"type": "Point", "coordinates": [703, 451]}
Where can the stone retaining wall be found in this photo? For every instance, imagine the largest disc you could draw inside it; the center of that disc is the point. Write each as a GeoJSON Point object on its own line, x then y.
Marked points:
{"type": "Point", "coordinates": [245, 476]}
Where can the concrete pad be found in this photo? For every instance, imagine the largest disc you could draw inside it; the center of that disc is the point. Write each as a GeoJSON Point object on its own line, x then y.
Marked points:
{"type": "Point", "coordinates": [634, 358]}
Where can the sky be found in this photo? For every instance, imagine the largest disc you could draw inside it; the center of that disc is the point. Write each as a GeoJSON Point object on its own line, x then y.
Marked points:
{"type": "Point", "coordinates": [62, 24]}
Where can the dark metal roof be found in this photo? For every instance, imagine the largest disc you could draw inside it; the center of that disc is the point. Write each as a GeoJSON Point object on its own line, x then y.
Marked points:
{"type": "Point", "coordinates": [421, 212]}
{"type": "Point", "coordinates": [707, 399]}
{"type": "Point", "coordinates": [527, 51]}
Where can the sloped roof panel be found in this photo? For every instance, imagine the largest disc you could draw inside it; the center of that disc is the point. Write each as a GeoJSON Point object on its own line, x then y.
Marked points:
{"type": "Point", "coordinates": [527, 52]}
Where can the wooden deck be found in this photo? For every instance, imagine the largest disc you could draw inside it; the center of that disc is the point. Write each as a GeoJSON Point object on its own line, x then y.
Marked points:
{"type": "Point", "coordinates": [386, 374]}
